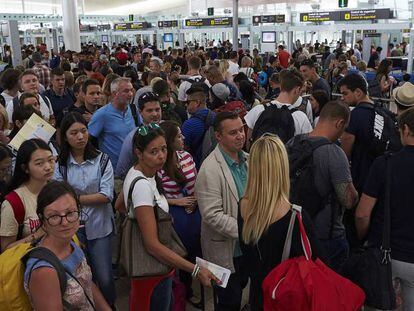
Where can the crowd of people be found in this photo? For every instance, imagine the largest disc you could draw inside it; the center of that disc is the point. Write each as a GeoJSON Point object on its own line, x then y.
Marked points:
{"type": "Point", "coordinates": [207, 141]}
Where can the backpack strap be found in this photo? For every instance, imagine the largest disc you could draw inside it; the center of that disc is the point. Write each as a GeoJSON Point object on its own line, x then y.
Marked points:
{"type": "Point", "coordinates": [42, 253]}
{"type": "Point", "coordinates": [15, 103]}
{"type": "Point", "coordinates": [48, 103]}
{"type": "Point", "coordinates": [63, 171]}
{"type": "Point", "coordinates": [79, 283]}
{"type": "Point", "coordinates": [134, 114]}
{"type": "Point", "coordinates": [18, 210]}
{"type": "Point", "coordinates": [103, 163]}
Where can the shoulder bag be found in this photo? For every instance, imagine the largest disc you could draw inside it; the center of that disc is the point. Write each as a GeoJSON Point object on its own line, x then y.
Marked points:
{"type": "Point", "coordinates": [135, 258]}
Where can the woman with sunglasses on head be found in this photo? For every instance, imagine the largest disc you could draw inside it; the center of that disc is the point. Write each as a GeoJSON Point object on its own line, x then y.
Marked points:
{"type": "Point", "coordinates": [59, 211]}
{"type": "Point", "coordinates": [150, 148]}
{"type": "Point", "coordinates": [35, 164]}
{"type": "Point", "coordinates": [178, 178]}
{"type": "Point", "coordinates": [90, 173]}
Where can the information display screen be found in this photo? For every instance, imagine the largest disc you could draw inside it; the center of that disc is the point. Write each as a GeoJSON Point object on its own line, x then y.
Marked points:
{"type": "Point", "coordinates": [268, 36]}
{"type": "Point", "coordinates": [168, 37]}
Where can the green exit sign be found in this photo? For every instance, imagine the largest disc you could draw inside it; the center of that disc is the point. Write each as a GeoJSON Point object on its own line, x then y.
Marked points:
{"type": "Point", "coordinates": [131, 17]}
{"type": "Point", "coordinates": [343, 3]}
{"type": "Point", "coordinates": [210, 11]}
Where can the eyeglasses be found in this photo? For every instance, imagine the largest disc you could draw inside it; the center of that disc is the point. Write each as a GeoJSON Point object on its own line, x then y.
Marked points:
{"type": "Point", "coordinates": [56, 220]}
{"type": "Point", "coordinates": [145, 129]}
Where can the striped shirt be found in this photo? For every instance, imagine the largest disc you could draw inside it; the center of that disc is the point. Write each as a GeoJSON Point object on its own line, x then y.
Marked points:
{"type": "Point", "coordinates": [187, 167]}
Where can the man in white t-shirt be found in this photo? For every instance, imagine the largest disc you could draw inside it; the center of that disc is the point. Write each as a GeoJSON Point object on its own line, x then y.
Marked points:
{"type": "Point", "coordinates": [233, 63]}
{"type": "Point", "coordinates": [29, 82]}
{"type": "Point", "coordinates": [291, 83]}
{"type": "Point", "coordinates": [194, 66]}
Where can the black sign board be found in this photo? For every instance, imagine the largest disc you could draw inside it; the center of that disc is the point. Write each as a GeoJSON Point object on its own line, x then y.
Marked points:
{"type": "Point", "coordinates": [132, 26]}
{"type": "Point", "coordinates": [372, 35]}
{"type": "Point", "coordinates": [271, 19]}
{"type": "Point", "coordinates": [103, 27]}
{"type": "Point", "coordinates": [167, 24]}
{"type": "Point", "coordinates": [320, 16]}
{"type": "Point", "coordinates": [348, 15]}
{"type": "Point", "coordinates": [358, 15]}
{"type": "Point", "coordinates": [218, 21]}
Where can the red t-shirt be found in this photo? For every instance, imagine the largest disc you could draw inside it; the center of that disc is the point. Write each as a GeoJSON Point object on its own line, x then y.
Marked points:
{"type": "Point", "coordinates": [284, 58]}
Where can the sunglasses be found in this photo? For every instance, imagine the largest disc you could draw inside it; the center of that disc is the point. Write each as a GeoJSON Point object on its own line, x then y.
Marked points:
{"type": "Point", "coordinates": [145, 129]}
{"type": "Point", "coordinates": [149, 95]}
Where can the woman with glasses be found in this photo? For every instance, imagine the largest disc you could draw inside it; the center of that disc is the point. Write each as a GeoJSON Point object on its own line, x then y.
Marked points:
{"type": "Point", "coordinates": [178, 178]}
{"type": "Point", "coordinates": [150, 148]}
{"type": "Point", "coordinates": [265, 212]}
{"type": "Point", "coordinates": [59, 211]}
{"type": "Point", "coordinates": [90, 173]}
{"type": "Point", "coordinates": [19, 222]}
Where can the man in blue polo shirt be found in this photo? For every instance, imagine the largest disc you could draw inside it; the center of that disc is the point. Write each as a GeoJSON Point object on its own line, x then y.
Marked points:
{"type": "Point", "coordinates": [195, 127]}
{"type": "Point", "coordinates": [112, 123]}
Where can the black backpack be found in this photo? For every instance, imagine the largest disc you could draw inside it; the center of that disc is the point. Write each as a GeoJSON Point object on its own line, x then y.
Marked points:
{"type": "Point", "coordinates": [208, 142]}
{"type": "Point", "coordinates": [386, 134]}
{"type": "Point", "coordinates": [198, 82]}
{"type": "Point", "coordinates": [302, 178]}
{"type": "Point", "coordinates": [374, 88]}
{"type": "Point", "coordinates": [275, 120]}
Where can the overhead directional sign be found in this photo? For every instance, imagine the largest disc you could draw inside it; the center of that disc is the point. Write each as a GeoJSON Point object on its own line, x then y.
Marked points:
{"type": "Point", "coordinates": [167, 24]}
{"type": "Point", "coordinates": [270, 19]}
{"type": "Point", "coordinates": [357, 15]}
{"type": "Point", "coordinates": [320, 16]}
{"type": "Point", "coordinates": [347, 15]}
{"type": "Point", "coordinates": [132, 26]}
{"type": "Point", "coordinates": [103, 27]}
{"type": "Point", "coordinates": [217, 21]}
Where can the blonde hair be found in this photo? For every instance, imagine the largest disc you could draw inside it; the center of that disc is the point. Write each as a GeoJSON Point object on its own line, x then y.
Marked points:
{"type": "Point", "coordinates": [5, 118]}
{"type": "Point", "coordinates": [268, 186]}
{"type": "Point", "coordinates": [224, 66]}
{"type": "Point", "coordinates": [246, 62]}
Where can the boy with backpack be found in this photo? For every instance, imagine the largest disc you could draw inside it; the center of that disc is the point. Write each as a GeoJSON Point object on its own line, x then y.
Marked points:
{"type": "Point", "coordinates": [321, 180]}
{"type": "Point", "coordinates": [198, 130]}
{"type": "Point", "coordinates": [280, 117]}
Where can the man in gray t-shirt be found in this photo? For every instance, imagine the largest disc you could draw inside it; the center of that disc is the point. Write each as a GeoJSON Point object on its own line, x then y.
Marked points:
{"type": "Point", "coordinates": [333, 181]}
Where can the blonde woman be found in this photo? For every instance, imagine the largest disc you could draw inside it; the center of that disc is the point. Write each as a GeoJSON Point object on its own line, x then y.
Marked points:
{"type": "Point", "coordinates": [224, 69]}
{"type": "Point", "coordinates": [265, 213]}
{"type": "Point", "coordinates": [246, 66]}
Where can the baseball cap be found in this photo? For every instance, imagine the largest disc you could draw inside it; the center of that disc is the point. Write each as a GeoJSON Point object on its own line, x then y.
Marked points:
{"type": "Point", "coordinates": [221, 91]}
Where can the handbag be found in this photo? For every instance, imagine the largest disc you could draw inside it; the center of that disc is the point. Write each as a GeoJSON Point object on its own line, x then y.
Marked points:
{"type": "Point", "coordinates": [302, 283]}
{"type": "Point", "coordinates": [135, 258]}
{"type": "Point", "coordinates": [370, 267]}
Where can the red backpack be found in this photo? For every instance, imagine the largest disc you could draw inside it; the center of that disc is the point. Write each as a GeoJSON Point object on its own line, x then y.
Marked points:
{"type": "Point", "coordinates": [300, 283]}
{"type": "Point", "coordinates": [236, 106]}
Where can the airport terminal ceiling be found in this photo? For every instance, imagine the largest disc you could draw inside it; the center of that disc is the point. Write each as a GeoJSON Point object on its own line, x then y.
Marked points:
{"type": "Point", "coordinates": [186, 7]}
